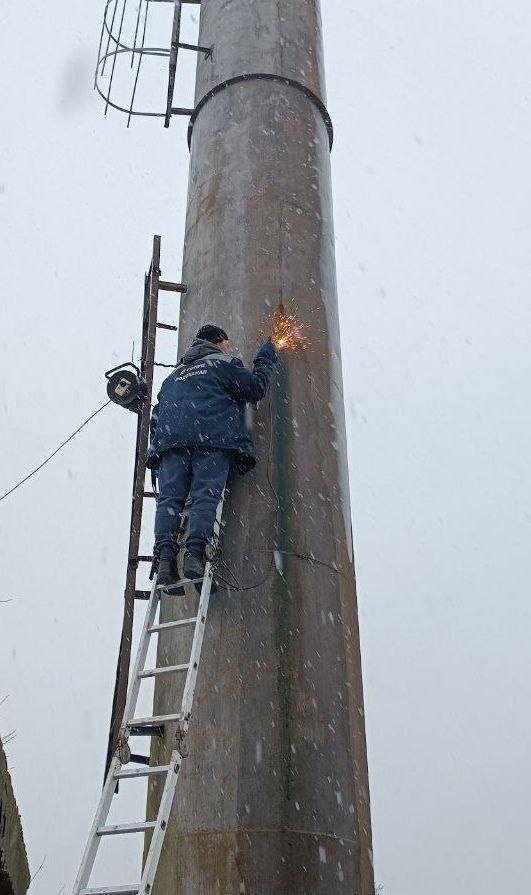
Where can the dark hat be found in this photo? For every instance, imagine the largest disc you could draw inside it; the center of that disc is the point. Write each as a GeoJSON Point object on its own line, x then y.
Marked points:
{"type": "Point", "coordinates": [212, 333]}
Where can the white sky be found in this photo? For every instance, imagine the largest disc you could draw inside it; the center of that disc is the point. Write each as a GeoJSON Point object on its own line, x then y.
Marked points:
{"type": "Point", "coordinates": [431, 105]}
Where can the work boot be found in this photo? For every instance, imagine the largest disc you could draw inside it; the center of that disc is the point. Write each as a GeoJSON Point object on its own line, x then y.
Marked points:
{"type": "Point", "coordinates": [194, 568]}
{"type": "Point", "coordinates": [167, 573]}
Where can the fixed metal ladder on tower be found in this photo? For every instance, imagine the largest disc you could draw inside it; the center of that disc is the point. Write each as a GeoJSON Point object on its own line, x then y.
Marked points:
{"type": "Point", "coordinates": [150, 726]}
{"type": "Point", "coordinates": [132, 594]}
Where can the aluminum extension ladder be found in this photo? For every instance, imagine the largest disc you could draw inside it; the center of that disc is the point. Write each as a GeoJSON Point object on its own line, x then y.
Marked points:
{"type": "Point", "coordinates": [129, 723]}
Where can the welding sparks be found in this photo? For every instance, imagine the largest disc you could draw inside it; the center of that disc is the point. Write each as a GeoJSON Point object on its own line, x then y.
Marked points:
{"type": "Point", "coordinates": [287, 331]}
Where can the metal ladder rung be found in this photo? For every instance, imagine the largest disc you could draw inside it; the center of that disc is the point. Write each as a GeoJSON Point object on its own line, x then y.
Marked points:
{"type": "Point", "coordinates": [165, 626]}
{"type": "Point", "coordinates": [113, 890]}
{"type": "Point", "coordinates": [116, 829]}
{"type": "Point", "coordinates": [153, 720]}
{"type": "Point", "coordinates": [140, 759]}
{"type": "Point", "coordinates": [164, 669]}
{"type": "Point", "coordinates": [180, 583]}
{"type": "Point", "coordinates": [165, 285]}
{"type": "Point", "coordinates": [147, 731]}
{"type": "Point", "coordinates": [142, 772]}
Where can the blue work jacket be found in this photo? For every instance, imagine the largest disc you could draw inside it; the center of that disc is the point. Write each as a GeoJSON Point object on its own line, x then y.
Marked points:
{"type": "Point", "coordinates": [202, 403]}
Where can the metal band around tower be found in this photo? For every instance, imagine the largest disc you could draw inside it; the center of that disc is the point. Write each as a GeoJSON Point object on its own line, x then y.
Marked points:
{"type": "Point", "coordinates": [264, 76]}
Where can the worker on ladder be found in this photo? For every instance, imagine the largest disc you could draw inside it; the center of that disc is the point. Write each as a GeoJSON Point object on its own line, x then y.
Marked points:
{"type": "Point", "coordinates": [198, 430]}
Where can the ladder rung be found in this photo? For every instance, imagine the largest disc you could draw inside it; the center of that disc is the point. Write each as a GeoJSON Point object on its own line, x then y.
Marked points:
{"type": "Point", "coordinates": [167, 326]}
{"type": "Point", "coordinates": [153, 721]}
{"type": "Point", "coordinates": [142, 772]}
{"type": "Point", "coordinates": [164, 669]}
{"type": "Point", "coordinates": [139, 759]}
{"type": "Point", "coordinates": [198, 49]}
{"type": "Point", "coordinates": [180, 583]}
{"type": "Point", "coordinates": [116, 829]}
{"type": "Point", "coordinates": [165, 285]}
{"type": "Point", "coordinates": [149, 494]}
{"type": "Point", "coordinates": [165, 626]}
{"type": "Point", "coordinates": [142, 594]}
{"type": "Point", "coordinates": [144, 559]}
{"type": "Point", "coordinates": [147, 731]}
{"type": "Point", "coordinates": [133, 889]}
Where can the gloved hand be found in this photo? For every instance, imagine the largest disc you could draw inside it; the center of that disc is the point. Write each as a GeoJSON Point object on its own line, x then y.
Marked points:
{"type": "Point", "coordinates": [268, 351]}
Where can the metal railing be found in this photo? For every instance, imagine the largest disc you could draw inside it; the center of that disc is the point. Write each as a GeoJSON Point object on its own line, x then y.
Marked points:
{"type": "Point", "coordinates": [123, 40]}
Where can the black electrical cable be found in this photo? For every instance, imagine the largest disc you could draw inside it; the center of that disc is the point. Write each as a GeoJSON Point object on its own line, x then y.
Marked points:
{"type": "Point", "coordinates": [228, 586]}
{"type": "Point", "coordinates": [306, 556]}
{"type": "Point", "coordinates": [44, 462]}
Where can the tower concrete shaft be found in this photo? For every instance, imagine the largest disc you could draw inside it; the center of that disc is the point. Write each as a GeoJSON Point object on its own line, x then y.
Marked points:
{"type": "Point", "coordinates": [273, 798]}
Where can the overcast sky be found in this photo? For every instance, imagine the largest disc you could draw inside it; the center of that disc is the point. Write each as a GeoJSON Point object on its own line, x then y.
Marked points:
{"type": "Point", "coordinates": [431, 105]}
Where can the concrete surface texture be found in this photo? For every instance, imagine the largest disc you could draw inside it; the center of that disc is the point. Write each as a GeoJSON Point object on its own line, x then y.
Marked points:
{"type": "Point", "coordinates": [274, 795]}
{"type": "Point", "coordinates": [14, 870]}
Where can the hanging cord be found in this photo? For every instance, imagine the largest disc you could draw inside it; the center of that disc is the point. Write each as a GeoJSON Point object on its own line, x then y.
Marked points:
{"type": "Point", "coordinates": [61, 446]}
{"type": "Point", "coordinates": [308, 557]}
{"type": "Point", "coordinates": [227, 584]}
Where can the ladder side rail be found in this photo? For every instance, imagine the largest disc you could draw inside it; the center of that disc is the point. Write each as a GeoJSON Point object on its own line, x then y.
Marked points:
{"type": "Point", "coordinates": [197, 642]}
{"type": "Point", "coordinates": [143, 646]}
{"type": "Point", "coordinates": [149, 329]}
{"type": "Point", "coordinates": [148, 356]}
{"type": "Point", "coordinates": [174, 50]}
{"type": "Point", "coordinates": [195, 654]}
{"type": "Point", "coordinates": [93, 841]}
{"type": "Point", "coordinates": [157, 838]}
{"type": "Point", "coordinates": [120, 684]}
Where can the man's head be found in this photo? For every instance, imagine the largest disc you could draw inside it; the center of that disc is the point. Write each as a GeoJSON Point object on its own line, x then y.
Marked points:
{"type": "Point", "coordinates": [216, 335]}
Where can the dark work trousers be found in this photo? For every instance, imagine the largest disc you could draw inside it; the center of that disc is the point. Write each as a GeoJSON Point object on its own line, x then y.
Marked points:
{"type": "Point", "coordinates": [200, 472]}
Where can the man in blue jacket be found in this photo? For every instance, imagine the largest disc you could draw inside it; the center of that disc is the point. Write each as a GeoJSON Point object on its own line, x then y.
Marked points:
{"type": "Point", "coordinates": [198, 429]}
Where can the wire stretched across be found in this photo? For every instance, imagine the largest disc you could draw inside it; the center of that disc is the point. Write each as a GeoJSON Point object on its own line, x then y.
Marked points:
{"type": "Point", "coordinates": [61, 446]}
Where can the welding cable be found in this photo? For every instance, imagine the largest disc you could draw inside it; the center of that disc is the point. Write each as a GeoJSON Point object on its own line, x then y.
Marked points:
{"type": "Point", "coordinates": [307, 557]}
{"type": "Point", "coordinates": [228, 586]}
{"type": "Point", "coordinates": [61, 446]}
